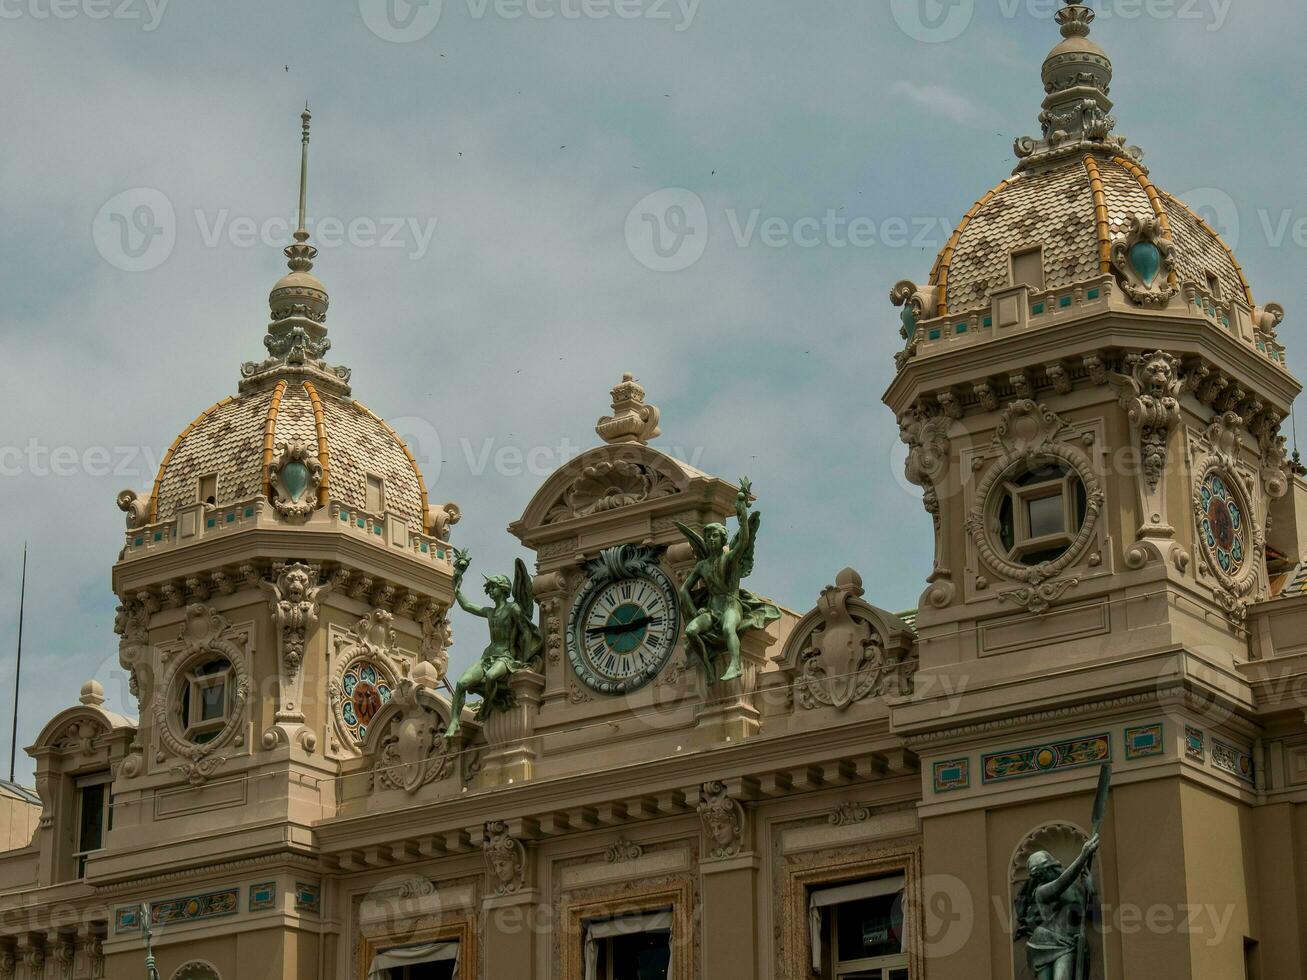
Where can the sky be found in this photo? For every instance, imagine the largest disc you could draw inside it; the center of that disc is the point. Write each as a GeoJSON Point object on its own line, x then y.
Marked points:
{"type": "Point", "coordinates": [515, 201]}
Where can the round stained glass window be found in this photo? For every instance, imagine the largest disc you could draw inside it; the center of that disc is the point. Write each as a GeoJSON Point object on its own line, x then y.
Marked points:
{"type": "Point", "coordinates": [366, 689]}
{"type": "Point", "coordinates": [1222, 522]}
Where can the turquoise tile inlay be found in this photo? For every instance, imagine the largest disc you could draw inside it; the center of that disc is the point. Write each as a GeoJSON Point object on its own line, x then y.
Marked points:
{"type": "Point", "coordinates": [231, 518]}
{"type": "Point", "coordinates": [139, 542]}
{"type": "Point", "coordinates": [344, 516]}
{"type": "Point", "coordinates": [158, 535]}
{"type": "Point", "coordinates": [249, 511]}
{"type": "Point", "coordinates": [377, 529]}
{"type": "Point", "coordinates": [1065, 301]}
{"type": "Point", "coordinates": [361, 522]}
{"type": "Point", "coordinates": [1145, 741]}
{"type": "Point", "coordinates": [1093, 294]}
{"type": "Point", "coordinates": [952, 774]}
{"type": "Point", "coordinates": [961, 328]}
{"type": "Point", "coordinates": [211, 522]}
{"type": "Point", "coordinates": [1037, 309]}
{"type": "Point", "coordinates": [989, 321]}
{"type": "Point", "coordinates": [425, 547]}
{"type": "Point", "coordinates": [935, 334]}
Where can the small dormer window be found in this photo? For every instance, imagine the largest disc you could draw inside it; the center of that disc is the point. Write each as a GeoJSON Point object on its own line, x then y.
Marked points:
{"type": "Point", "coordinates": [376, 502]}
{"type": "Point", "coordinates": [1214, 285]}
{"type": "Point", "coordinates": [207, 489]}
{"type": "Point", "coordinates": [1028, 268]}
{"type": "Point", "coordinates": [94, 816]}
{"type": "Point", "coordinates": [206, 700]}
{"type": "Point", "coordinates": [1040, 513]}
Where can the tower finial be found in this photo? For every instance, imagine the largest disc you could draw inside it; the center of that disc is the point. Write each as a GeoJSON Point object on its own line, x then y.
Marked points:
{"type": "Point", "coordinates": [305, 117]}
{"type": "Point", "coordinates": [300, 294]}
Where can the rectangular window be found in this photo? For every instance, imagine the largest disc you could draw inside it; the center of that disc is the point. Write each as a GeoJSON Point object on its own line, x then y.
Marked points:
{"type": "Point", "coordinates": [1046, 515]}
{"type": "Point", "coordinates": [207, 489]}
{"type": "Point", "coordinates": [376, 502]}
{"type": "Point", "coordinates": [629, 947]}
{"type": "Point", "coordinates": [422, 961]}
{"type": "Point", "coordinates": [1214, 285]}
{"type": "Point", "coordinates": [1028, 268]}
{"type": "Point", "coordinates": [94, 819]}
{"type": "Point", "coordinates": [857, 930]}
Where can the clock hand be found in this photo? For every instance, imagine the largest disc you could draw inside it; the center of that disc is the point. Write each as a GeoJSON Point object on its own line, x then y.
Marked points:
{"type": "Point", "coordinates": [630, 627]}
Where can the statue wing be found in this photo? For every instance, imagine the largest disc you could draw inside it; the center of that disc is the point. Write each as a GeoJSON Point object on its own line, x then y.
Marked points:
{"type": "Point", "coordinates": [523, 593]}
{"type": "Point", "coordinates": [696, 540]}
{"type": "Point", "coordinates": [746, 556]}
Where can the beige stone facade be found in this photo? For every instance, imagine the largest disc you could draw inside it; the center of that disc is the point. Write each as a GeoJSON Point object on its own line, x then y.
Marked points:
{"type": "Point", "coordinates": [1092, 402]}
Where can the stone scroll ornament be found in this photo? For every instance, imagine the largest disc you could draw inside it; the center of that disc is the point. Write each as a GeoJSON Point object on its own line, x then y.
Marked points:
{"type": "Point", "coordinates": [516, 642]}
{"type": "Point", "coordinates": [717, 611]}
{"type": "Point", "coordinates": [1057, 908]}
{"type": "Point", "coordinates": [294, 598]}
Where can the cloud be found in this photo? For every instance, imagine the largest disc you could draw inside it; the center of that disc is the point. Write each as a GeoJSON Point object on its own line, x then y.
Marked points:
{"type": "Point", "coordinates": [943, 101]}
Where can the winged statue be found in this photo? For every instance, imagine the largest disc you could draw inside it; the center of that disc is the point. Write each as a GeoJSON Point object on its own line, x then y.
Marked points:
{"type": "Point", "coordinates": [515, 640]}
{"type": "Point", "coordinates": [717, 610]}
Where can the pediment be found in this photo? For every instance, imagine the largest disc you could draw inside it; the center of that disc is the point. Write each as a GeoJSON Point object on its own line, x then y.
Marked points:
{"type": "Point", "coordinates": [603, 480]}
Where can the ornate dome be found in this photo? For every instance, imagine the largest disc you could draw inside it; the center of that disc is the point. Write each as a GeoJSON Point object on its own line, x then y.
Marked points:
{"type": "Point", "coordinates": [1075, 211]}
{"type": "Point", "coordinates": [1081, 197]}
{"type": "Point", "coordinates": [292, 434]}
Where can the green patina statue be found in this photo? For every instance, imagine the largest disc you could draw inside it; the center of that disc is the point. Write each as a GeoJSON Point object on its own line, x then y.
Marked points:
{"type": "Point", "coordinates": [717, 610]}
{"type": "Point", "coordinates": [1056, 909]}
{"type": "Point", "coordinates": [515, 640]}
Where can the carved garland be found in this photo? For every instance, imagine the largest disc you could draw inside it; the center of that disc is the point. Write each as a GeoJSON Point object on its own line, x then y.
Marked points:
{"type": "Point", "coordinates": [1029, 431]}
{"type": "Point", "coordinates": [205, 633]}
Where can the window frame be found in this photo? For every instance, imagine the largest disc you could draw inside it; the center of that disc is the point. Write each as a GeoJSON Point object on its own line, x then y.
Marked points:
{"type": "Point", "coordinates": [82, 783]}
{"type": "Point", "coordinates": [193, 724]}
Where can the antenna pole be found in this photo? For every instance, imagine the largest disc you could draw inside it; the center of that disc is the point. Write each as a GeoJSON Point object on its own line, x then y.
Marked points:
{"type": "Point", "coordinates": [18, 669]}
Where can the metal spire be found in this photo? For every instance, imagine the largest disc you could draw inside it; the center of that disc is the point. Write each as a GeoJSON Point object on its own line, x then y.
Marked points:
{"type": "Point", "coordinates": [18, 669]}
{"type": "Point", "coordinates": [301, 254]}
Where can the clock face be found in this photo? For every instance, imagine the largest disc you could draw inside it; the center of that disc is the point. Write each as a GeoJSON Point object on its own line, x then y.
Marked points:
{"type": "Point", "coordinates": [622, 632]}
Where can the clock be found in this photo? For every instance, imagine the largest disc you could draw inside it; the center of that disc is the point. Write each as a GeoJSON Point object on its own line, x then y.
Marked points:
{"type": "Point", "coordinates": [624, 622]}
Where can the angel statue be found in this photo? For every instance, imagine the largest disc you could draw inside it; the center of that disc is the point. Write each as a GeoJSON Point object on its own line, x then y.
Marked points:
{"type": "Point", "coordinates": [515, 640]}
{"type": "Point", "coordinates": [717, 610]}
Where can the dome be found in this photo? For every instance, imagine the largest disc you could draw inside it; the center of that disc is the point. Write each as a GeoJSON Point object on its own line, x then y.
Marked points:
{"type": "Point", "coordinates": [229, 450]}
{"type": "Point", "coordinates": [1081, 196]}
{"type": "Point", "coordinates": [1075, 210]}
{"type": "Point", "coordinates": [292, 433]}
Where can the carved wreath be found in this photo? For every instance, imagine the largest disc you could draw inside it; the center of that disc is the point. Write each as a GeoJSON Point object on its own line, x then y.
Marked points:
{"type": "Point", "coordinates": [206, 633]}
{"type": "Point", "coordinates": [608, 485]}
{"type": "Point", "coordinates": [1028, 432]}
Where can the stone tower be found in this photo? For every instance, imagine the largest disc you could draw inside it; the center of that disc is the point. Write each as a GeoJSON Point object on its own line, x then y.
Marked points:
{"type": "Point", "coordinates": [280, 578]}
{"type": "Point", "coordinates": [1092, 400]}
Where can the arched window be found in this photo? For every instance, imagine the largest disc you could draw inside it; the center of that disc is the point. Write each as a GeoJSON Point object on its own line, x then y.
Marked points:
{"type": "Point", "coordinates": [197, 970]}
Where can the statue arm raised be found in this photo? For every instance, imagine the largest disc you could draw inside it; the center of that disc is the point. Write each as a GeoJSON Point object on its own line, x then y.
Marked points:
{"type": "Point", "coordinates": [469, 606]}
{"type": "Point", "coordinates": [744, 533]}
{"type": "Point", "coordinates": [1072, 873]}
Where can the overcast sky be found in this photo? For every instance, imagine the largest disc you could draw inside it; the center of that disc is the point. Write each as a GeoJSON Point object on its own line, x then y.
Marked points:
{"type": "Point", "coordinates": [474, 186]}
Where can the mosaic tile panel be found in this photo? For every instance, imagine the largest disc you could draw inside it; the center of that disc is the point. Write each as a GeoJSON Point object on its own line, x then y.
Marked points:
{"type": "Point", "coordinates": [194, 907]}
{"type": "Point", "coordinates": [1194, 744]}
{"type": "Point", "coordinates": [1054, 209]}
{"type": "Point", "coordinates": [127, 919]}
{"type": "Point", "coordinates": [1048, 757]}
{"type": "Point", "coordinates": [263, 897]}
{"type": "Point", "coordinates": [308, 898]}
{"type": "Point", "coordinates": [952, 774]}
{"type": "Point", "coordinates": [229, 442]}
{"type": "Point", "coordinates": [1196, 251]}
{"type": "Point", "coordinates": [361, 445]}
{"type": "Point", "coordinates": [1233, 760]}
{"type": "Point", "coordinates": [1144, 741]}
